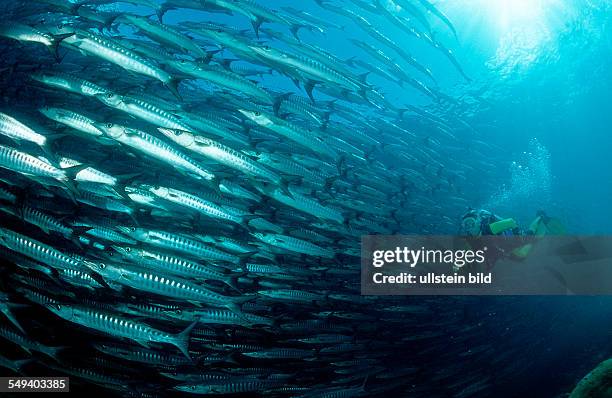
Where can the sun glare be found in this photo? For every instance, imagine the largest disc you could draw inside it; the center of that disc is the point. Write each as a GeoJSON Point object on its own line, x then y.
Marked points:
{"type": "Point", "coordinates": [522, 29]}
{"type": "Point", "coordinates": [512, 13]}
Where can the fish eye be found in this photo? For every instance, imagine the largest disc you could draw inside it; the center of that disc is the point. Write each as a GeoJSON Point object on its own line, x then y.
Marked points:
{"type": "Point", "coordinates": [133, 229]}
{"type": "Point", "coordinates": [128, 249]}
{"type": "Point", "coordinates": [60, 26]}
{"type": "Point", "coordinates": [178, 312]}
{"type": "Point", "coordinates": [109, 125]}
{"type": "Point", "coordinates": [109, 95]}
{"type": "Point", "coordinates": [102, 265]}
{"type": "Point", "coordinates": [257, 113]}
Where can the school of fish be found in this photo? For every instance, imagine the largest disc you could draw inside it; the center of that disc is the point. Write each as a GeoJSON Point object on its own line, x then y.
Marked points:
{"type": "Point", "coordinates": [182, 200]}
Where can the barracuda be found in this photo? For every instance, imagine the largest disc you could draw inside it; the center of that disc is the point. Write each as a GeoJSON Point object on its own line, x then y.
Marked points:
{"type": "Point", "coordinates": [215, 126]}
{"type": "Point", "coordinates": [300, 105]}
{"type": "Point", "coordinates": [165, 34]}
{"type": "Point", "coordinates": [155, 148]}
{"type": "Point", "coordinates": [28, 344]}
{"type": "Point", "coordinates": [167, 285]}
{"type": "Point", "coordinates": [226, 243]}
{"type": "Point", "coordinates": [281, 353]}
{"type": "Point", "coordinates": [144, 198]}
{"type": "Point", "coordinates": [103, 232]}
{"type": "Point", "coordinates": [291, 295]}
{"type": "Point", "coordinates": [308, 139]}
{"type": "Point", "coordinates": [104, 203]}
{"type": "Point", "coordinates": [231, 188]}
{"type": "Point", "coordinates": [247, 223]}
{"type": "Point", "coordinates": [262, 12]}
{"type": "Point", "coordinates": [315, 70]}
{"type": "Point", "coordinates": [326, 59]}
{"type": "Point", "coordinates": [142, 110]}
{"type": "Point", "coordinates": [117, 54]}
{"type": "Point", "coordinates": [180, 243]}
{"type": "Point", "coordinates": [147, 49]}
{"type": "Point", "coordinates": [220, 317]}
{"type": "Point", "coordinates": [222, 78]}
{"type": "Point", "coordinates": [44, 221]}
{"type": "Point", "coordinates": [69, 83]}
{"type": "Point", "coordinates": [38, 251]}
{"type": "Point", "coordinates": [7, 196]}
{"type": "Point", "coordinates": [21, 32]}
{"type": "Point", "coordinates": [224, 39]}
{"type": "Point", "coordinates": [312, 18]}
{"type": "Point", "coordinates": [435, 11]}
{"type": "Point", "coordinates": [303, 203]}
{"type": "Point", "coordinates": [222, 154]}
{"type": "Point", "coordinates": [98, 189]}
{"type": "Point", "coordinates": [143, 355]}
{"type": "Point", "coordinates": [289, 167]}
{"type": "Point", "coordinates": [26, 33]}
{"type": "Point", "coordinates": [15, 130]}
{"type": "Point", "coordinates": [5, 308]}
{"type": "Point", "coordinates": [173, 264]}
{"type": "Point", "coordinates": [14, 365]}
{"type": "Point", "coordinates": [239, 386]}
{"type": "Point", "coordinates": [255, 14]}
{"type": "Point", "coordinates": [72, 119]}
{"type": "Point", "coordinates": [103, 19]}
{"type": "Point", "coordinates": [382, 38]}
{"type": "Point", "coordinates": [202, 206]}
{"type": "Point", "coordinates": [79, 278]}
{"type": "Point", "coordinates": [87, 174]}
{"type": "Point", "coordinates": [118, 326]}
{"type": "Point", "coordinates": [29, 165]}
{"type": "Point", "coordinates": [393, 12]}
{"type": "Point", "coordinates": [293, 244]}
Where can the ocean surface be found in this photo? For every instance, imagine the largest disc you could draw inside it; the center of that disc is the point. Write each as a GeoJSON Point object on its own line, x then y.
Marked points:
{"type": "Point", "coordinates": [510, 114]}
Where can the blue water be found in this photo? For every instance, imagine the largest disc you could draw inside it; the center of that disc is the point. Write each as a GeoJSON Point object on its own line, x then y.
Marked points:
{"type": "Point", "coordinates": [539, 97]}
{"type": "Point", "coordinates": [533, 124]}
{"type": "Point", "coordinates": [545, 74]}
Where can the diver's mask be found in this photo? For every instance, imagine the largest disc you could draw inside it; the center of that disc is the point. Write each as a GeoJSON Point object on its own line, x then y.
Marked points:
{"type": "Point", "coordinates": [471, 223]}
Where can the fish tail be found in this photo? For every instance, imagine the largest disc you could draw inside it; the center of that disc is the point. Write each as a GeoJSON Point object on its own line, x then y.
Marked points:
{"type": "Point", "coordinates": [233, 283]}
{"type": "Point", "coordinates": [256, 25]}
{"type": "Point", "coordinates": [162, 10]}
{"type": "Point", "coordinates": [235, 307]}
{"type": "Point", "coordinates": [9, 315]}
{"type": "Point", "coordinates": [57, 39]}
{"type": "Point", "coordinates": [19, 364]}
{"type": "Point", "coordinates": [172, 85]}
{"type": "Point", "coordinates": [284, 186]}
{"type": "Point", "coordinates": [181, 340]}
{"type": "Point", "coordinates": [295, 28]}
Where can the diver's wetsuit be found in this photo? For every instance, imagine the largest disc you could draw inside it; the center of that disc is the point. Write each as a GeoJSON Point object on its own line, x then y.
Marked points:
{"type": "Point", "coordinates": [479, 227]}
{"type": "Point", "coordinates": [490, 226]}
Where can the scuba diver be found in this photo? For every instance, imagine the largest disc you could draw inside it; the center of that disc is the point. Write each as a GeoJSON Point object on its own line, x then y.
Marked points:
{"type": "Point", "coordinates": [478, 227]}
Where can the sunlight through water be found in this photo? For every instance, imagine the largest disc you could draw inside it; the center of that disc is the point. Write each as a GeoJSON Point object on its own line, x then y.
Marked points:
{"type": "Point", "coordinates": [524, 28]}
